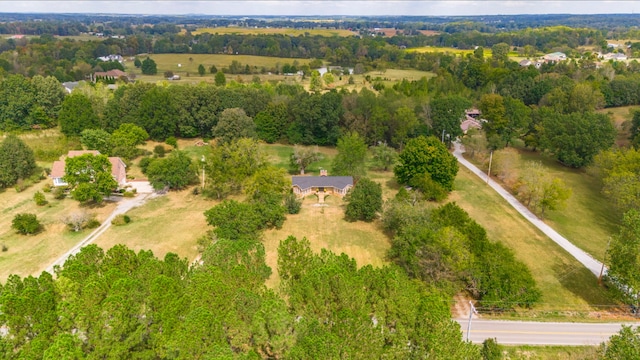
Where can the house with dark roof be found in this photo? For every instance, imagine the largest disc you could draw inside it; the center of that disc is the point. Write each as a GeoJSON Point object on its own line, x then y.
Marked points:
{"type": "Point", "coordinates": [307, 185]}
{"type": "Point", "coordinates": [118, 168]}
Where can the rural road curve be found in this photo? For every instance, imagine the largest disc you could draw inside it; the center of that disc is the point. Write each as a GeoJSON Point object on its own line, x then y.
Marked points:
{"type": "Point", "coordinates": [124, 205]}
{"type": "Point", "coordinates": [585, 259]}
{"type": "Point", "coordinates": [539, 333]}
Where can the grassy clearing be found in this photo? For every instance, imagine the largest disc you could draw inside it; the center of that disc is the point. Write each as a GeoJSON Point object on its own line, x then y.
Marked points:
{"type": "Point", "coordinates": [279, 155]}
{"type": "Point", "coordinates": [29, 255]}
{"type": "Point", "coordinates": [568, 289]}
{"type": "Point", "coordinates": [272, 31]}
{"type": "Point", "coordinates": [326, 228]}
{"type": "Point", "coordinates": [455, 51]}
{"type": "Point", "coordinates": [621, 117]}
{"type": "Point", "coordinates": [588, 219]}
{"type": "Point", "coordinates": [169, 223]}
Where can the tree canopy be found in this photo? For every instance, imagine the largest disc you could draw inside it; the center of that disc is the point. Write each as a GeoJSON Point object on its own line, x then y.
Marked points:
{"type": "Point", "coordinates": [427, 155]}
{"type": "Point", "coordinates": [16, 161]}
{"type": "Point", "coordinates": [89, 177]}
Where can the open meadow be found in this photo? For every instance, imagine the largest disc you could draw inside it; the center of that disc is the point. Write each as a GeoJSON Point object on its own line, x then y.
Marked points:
{"type": "Point", "coordinates": [31, 254]}
{"type": "Point", "coordinates": [621, 117]}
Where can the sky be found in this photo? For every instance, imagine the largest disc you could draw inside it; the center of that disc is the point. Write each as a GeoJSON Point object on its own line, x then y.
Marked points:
{"type": "Point", "coordinates": [323, 7]}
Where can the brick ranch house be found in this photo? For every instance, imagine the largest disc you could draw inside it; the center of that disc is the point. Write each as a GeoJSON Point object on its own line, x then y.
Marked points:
{"type": "Point", "coordinates": [329, 185]}
{"type": "Point", "coordinates": [118, 168]}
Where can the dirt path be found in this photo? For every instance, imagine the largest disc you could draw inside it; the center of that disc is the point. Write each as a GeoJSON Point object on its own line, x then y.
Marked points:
{"type": "Point", "coordinates": [124, 205]}
{"type": "Point", "coordinates": [585, 259]}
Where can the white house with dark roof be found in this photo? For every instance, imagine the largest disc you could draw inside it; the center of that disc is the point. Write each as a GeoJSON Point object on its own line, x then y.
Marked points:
{"type": "Point", "coordinates": [307, 185]}
{"type": "Point", "coordinates": [118, 168]}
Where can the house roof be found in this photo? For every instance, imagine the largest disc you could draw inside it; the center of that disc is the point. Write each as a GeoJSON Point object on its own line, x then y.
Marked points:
{"type": "Point", "coordinates": [57, 170]}
{"type": "Point", "coordinates": [306, 182]}
{"type": "Point", "coordinates": [115, 73]}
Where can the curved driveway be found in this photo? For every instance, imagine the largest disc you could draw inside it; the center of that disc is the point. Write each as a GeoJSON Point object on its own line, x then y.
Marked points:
{"type": "Point", "coordinates": [585, 259]}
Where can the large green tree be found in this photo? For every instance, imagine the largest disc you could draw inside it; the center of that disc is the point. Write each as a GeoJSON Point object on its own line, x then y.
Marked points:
{"type": "Point", "coordinates": [351, 157]}
{"type": "Point", "coordinates": [364, 201]}
{"type": "Point", "coordinates": [173, 172]}
{"type": "Point", "coordinates": [574, 139]}
{"type": "Point", "coordinates": [234, 124]}
{"type": "Point", "coordinates": [446, 114]}
{"type": "Point", "coordinates": [623, 345]}
{"type": "Point", "coordinates": [76, 115]}
{"type": "Point", "coordinates": [624, 257]}
{"type": "Point", "coordinates": [427, 155]}
{"type": "Point", "coordinates": [16, 161]}
{"type": "Point", "coordinates": [149, 67]}
{"type": "Point", "coordinates": [89, 177]}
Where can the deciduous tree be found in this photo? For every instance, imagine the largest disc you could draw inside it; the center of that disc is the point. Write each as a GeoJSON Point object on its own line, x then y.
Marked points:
{"type": "Point", "coordinates": [26, 224]}
{"type": "Point", "coordinates": [624, 258]}
{"type": "Point", "coordinates": [234, 124]}
{"type": "Point", "coordinates": [16, 161]}
{"type": "Point", "coordinates": [89, 177]}
{"type": "Point", "coordinates": [364, 201]}
{"type": "Point", "coordinates": [427, 155]}
{"type": "Point", "coordinates": [352, 153]}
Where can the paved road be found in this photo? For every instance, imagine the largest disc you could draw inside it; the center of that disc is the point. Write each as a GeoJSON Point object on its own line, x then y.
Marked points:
{"type": "Point", "coordinates": [124, 205]}
{"type": "Point", "coordinates": [585, 259]}
{"type": "Point", "coordinates": [539, 333]}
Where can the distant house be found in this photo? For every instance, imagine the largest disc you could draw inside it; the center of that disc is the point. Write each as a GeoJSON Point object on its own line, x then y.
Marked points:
{"type": "Point", "coordinates": [555, 57]}
{"type": "Point", "coordinates": [471, 120]}
{"type": "Point", "coordinates": [118, 168]}
{"type": "Point", "coordinates": [117, 58]}
{"type": "Point", "coordinates": [110, 76]}
{"type": "Point", "coordinates": [307, 185]}
{"type": "Point", "coordinates": [525, 62]}
{"type": "Point", "coordinates": [615, 56]}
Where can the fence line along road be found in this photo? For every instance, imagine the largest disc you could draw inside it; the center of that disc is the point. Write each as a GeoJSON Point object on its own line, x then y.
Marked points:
{"type": "Point", "coordinates": [585, 259]}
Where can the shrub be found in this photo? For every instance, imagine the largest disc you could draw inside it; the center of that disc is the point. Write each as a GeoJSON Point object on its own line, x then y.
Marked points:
{"type": "Point", "coordinates": [60, 193]}
{"type": "Point", "coordinates": [4, 248]}
{"type": "Point", "coordinates": [121, 220]}
{"type": "Point", "coordinates": [292, 204]}
{"type": "Point", "coordinates": [129, 194]}
{"type": "Point", "coordinates": [171, 140]}
{"type": "Point", "coordinates": [39, 198]}
{"type": "Point", "coordinates": [159, 151]}
{"type": "Point", "coordinates": [26, 224]}
{"type": "Point", "coordinates": [47, 188]}
{"type": "Point", "coordinates": [144, 164]}
{"type": "Point", "coordinates": [92, 223]}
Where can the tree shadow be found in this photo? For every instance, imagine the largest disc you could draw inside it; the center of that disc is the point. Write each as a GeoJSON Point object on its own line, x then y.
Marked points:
{"type": "Point", "coordinates": [584, 284]}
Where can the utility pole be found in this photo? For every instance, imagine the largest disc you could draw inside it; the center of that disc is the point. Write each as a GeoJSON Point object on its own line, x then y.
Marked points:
{"type": "Point", "coordinates": [603, 260]}
{"type": "Point", "coordinates": [442, 135]}
{"type": "Point", "coordinates": [489, 171]}
{"type": "Point", "coordinates": [203, 163]}
{"type": "Point", "coordinates": [472, 310]}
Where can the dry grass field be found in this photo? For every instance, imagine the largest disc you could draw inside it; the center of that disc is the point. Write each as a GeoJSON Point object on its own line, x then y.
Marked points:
{"type": "Point", "coordinates": [567, 287]}
{"type": "Point", "coordinates": [272, 31]}
{"type": "Point", "coordinates": [326, 228]}
{"type": "Point", "coordinates": [168, 223]}
{"type": "Point", "coordinates": [30, 254]}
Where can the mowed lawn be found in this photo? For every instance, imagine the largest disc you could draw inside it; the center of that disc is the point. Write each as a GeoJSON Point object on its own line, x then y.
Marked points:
{"type": "Point", "coordinates": [274, 30]}
{"type": "Point", "coordinates": [326, 228]}
{"type": "Point", "coordinates": [31, 254]}
{"type": "Point", "coordinates": [168, 223]}
{"type": "Point", "coordinates": [567, 287]}
{"type": "Point", "coordinates": [589, 219]}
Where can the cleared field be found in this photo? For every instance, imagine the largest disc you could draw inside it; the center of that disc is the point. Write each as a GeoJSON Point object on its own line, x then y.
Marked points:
{"type": "Point", "coordinates": [169, 223]}
{"type": "Point", "coordinates": [29, 255]}
{"type": "Point", "coordinates": [455, 51]}
{"type": "Point", "coordinates": [272, 31]}
{"type": "Point", "coordinates": [588, 219]}
{"type": "Point", "coordinates": [621, 116]}
{"type": "Point", "coordinates": [567, 287]}
{"type": "Point", "coordinates": [326, 228]}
